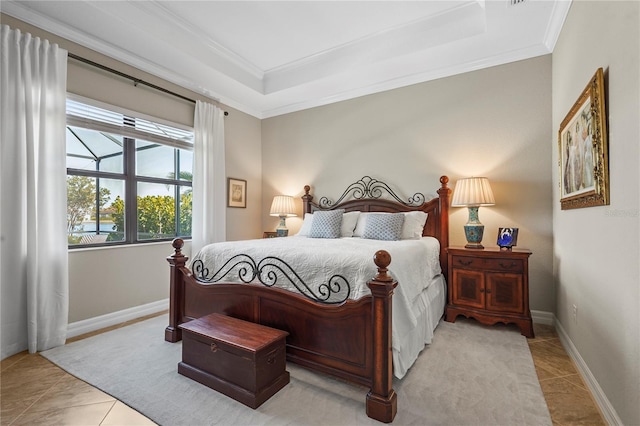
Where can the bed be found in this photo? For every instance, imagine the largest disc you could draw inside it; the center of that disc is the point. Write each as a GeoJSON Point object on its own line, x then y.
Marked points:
{"type": "Point", "coordinates": [336, 325]}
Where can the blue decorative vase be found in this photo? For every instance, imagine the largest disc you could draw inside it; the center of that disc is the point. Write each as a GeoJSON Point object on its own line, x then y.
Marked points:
{"type": "Point", "coordinates": [474, 230]}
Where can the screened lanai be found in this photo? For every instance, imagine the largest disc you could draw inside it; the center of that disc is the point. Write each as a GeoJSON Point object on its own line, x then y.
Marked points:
{"type": "Point", "coordinates": [128, 178]}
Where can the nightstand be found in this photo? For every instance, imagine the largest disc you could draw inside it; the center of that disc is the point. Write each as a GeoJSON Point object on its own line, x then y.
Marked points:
{"type": "Point", "coordinates": [489, 285]}
{"type": "Point", "coordinates": [269, 234]}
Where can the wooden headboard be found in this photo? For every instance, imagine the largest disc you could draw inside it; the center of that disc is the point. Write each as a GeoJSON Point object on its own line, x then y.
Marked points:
{"type": "Point", "coordinates": [365, 196]}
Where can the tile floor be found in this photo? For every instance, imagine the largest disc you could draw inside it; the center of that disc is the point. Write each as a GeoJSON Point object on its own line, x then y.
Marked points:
{"type": "Point", "coordinates": [34, 391]}
{"type": "Point", "coordinates": [569, 399]}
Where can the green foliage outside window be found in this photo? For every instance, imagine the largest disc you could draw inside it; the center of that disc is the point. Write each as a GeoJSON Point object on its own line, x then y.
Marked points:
{"type": "Point", "coordinates": [156, 216]}
{"type": "Point", "coordinates": [156, 213]}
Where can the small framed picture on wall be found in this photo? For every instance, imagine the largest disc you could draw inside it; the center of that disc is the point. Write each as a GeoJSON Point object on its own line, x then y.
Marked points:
{"type": "Point", "coordinates": [236, 193]}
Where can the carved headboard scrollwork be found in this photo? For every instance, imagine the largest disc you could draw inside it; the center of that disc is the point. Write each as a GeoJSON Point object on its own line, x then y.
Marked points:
{"type": "Point", "coordinates": [366, 195]}
{"type": "Point", "coordinates": [370, 188]}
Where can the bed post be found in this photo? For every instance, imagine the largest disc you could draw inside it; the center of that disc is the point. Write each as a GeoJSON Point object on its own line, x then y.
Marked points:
{"type": "Point", "coordinates": [444, 192]}
{"type": "Point", "coordinates": [306, 200]}
{"type": "Point", "coordinates": [382, 402]}
{"type": "Point", "coordinates": [176, 294]}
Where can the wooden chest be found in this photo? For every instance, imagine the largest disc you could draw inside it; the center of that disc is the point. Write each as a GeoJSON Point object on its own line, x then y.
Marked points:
{"type": "Point", "coordinates": [243, 360]}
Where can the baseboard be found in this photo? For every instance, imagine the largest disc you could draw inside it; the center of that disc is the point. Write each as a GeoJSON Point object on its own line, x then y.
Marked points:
{"type": "Point", "coordinates": [543, 317]}
{"type": "Point", "coordinates": [609, 413]}
{"type": "Point", "coordinates": [96, 323]}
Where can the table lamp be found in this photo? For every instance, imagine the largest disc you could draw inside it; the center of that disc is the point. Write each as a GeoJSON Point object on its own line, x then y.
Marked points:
{"type": "Point", "coordinates": [283, 207]}
{"type": "Point", "coordinates": [473, 192]}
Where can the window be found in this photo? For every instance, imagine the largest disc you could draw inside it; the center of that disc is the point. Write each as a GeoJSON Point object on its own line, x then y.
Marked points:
{"type": "Point", "coordinates": [128, 177]}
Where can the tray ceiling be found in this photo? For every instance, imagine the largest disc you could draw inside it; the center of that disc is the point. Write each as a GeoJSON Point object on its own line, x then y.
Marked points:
{"type": "Point", "coordinates": [268, 58]}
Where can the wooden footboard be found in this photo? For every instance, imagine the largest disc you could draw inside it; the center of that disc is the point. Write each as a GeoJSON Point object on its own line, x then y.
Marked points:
{"type": "Point", "coordinates": [351, 341]}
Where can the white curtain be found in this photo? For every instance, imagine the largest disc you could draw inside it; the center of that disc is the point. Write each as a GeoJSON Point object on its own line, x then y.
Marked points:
{"type": "Point", "coordinates": [209, 177]}
{"type": "Point", "coordinates": [33, 196]}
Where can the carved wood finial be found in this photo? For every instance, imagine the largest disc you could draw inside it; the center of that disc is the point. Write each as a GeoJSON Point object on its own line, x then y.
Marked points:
{"type": "Point", "coordinates": [177, 244]}
{"type": "Point", "coordinates": [307, 188]}
{"type": "Point", "coordinates": [382, 259]}
{"type": "Point", "coordinates": [444, 180]}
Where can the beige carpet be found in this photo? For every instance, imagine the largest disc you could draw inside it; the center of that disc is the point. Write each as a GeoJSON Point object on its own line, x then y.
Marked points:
{"type": "Point", "coordinates": [469, 375]}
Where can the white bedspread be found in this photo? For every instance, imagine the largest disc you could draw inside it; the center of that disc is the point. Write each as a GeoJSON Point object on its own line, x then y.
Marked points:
{"type": "Point", "coordinates": [414, 264]}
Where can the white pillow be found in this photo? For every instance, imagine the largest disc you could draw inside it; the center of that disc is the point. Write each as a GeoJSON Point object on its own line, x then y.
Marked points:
{"type": "Point", "coordinates": [411, 228]}
{"type": "Point", "coordinates": [413, 225]}
{"type": "Point", "coordinates": [362, 221]}
{"type": "Point", "coordinates": [349, 221]}
{"type": "Point", "coordinates": [306, 225]}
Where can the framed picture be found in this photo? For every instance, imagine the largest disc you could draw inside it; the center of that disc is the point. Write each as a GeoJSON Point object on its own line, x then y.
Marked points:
{"type": "Point", "coordinates": [583, 156]}
{"type": "Point", "coordinates": [236, 193]}
{"type": "Point", "coordinates": [507, 238]}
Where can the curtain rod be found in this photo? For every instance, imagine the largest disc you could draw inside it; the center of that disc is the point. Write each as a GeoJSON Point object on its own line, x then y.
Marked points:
{"type": "Point", "coordinates": [135, 80]}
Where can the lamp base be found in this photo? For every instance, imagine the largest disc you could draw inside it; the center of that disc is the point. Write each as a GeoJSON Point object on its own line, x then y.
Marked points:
{"type": "Point", "coordinates": [474, 233]}
{"type": "Point", "coordinates": [474, 246]}
{"type": "Point", "coordinates": [281, 230]}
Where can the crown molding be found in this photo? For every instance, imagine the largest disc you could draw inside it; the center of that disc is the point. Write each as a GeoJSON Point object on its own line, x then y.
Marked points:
{"type": "Point", "coordinates": [22, 12]}
{"type": "Point", "coordinates": [556, 22]}
{"type": "Point", "coordinates": [502, 58]}
{"type": "Point", "coordinates": [233, 62]}
{"type": "Point", "coordinates": [447, 26]}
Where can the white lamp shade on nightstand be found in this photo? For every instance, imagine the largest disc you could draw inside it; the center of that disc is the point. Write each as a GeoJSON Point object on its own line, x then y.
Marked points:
{"type": "Point", "coordinates": [472, 193]}
{"type": "Point", "coordinates": [283, 207]}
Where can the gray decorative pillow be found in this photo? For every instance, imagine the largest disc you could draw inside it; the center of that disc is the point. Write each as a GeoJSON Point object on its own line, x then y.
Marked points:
{"type": "Point", "coordinates": [326, 224]}
{"type": "Point", "coordinates": [383, 227]}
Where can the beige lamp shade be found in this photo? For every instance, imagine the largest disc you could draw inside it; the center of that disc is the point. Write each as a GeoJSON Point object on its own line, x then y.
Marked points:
{"type": "Point", "coordinates": [473, 191]}
{"type": "Point", "coordinates": [283, 205]}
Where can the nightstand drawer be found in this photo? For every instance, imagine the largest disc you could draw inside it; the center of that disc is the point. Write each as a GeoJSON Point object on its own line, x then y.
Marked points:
{"type": "Point", "coordinates": [504, 265]}
{"type": "Point", "coordinates": [477, 263]}
{"type": "Point", "coordinates": [463, 262]}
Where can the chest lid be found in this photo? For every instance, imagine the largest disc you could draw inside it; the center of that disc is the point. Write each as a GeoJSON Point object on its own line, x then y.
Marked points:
{"type": "Point", "coordinates": [245, 335]}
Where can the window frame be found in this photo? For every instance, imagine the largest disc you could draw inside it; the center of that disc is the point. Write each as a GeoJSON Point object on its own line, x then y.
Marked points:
{"type": "Point", "coordinates": [128, 176]}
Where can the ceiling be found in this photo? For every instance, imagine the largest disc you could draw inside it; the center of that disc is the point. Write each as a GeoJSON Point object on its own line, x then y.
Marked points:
{"type": "Point", "coordinates": [268, 58]}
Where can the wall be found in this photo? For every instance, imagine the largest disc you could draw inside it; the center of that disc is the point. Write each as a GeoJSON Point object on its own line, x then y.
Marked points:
{"type": "Point", "coordinates": [596, 249]}
{"type": "Point", "coordinates": [494, 122]}
{"type": "Point", "coordinates": [107, 280]}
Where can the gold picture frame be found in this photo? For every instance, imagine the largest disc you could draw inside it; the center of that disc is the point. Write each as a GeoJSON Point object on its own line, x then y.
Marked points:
{"type": "Point", "coordinates": [584, 158]}
{"type": "Point", "coordinates": [236, 193]}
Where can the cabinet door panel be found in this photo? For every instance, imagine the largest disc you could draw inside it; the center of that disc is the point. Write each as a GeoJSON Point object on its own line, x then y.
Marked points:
{"type": "Point", "coordinates": [468, 288]}
{"type": "Point", "coordinates": [504, 292]}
